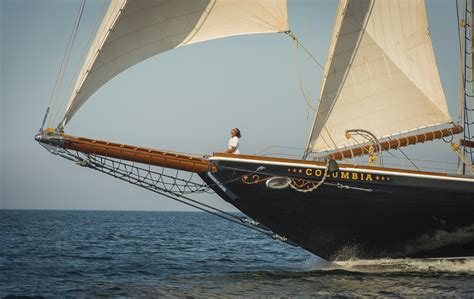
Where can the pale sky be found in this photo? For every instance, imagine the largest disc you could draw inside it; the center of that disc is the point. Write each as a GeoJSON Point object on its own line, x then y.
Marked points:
{"type": "Point", "coordinates": [187, 99]}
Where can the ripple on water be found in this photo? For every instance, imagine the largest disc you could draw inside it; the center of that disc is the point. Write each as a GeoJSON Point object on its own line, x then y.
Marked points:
{"type": "Point", "coordinates": [151, 254]}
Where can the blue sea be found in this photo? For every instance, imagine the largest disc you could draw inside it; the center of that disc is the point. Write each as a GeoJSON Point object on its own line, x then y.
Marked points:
{"type": "Point", "coordinates": [187, 254]}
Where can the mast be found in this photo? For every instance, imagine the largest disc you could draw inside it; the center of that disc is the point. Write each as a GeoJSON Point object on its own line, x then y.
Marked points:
{"type": "Point", "coordinates": [467, 103]}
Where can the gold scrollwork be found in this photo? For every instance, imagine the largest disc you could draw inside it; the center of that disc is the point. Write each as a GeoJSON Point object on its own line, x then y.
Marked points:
{"type": "Point", "coordinates": [254, 179]}
{"type": "Point", "coordinates": [302, 184]}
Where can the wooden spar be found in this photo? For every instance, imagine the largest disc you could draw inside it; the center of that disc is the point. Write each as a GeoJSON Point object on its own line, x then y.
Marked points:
{"type": "Point", "coordinates": [396, 143]}
{"type": "Point", "coordinates": [138, 154]}
{"type": "Point", "coordinates": [467, 143]}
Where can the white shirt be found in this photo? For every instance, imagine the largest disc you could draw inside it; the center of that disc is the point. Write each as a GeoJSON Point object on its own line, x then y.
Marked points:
{"type": "Point", "coordinates": [234, 142]}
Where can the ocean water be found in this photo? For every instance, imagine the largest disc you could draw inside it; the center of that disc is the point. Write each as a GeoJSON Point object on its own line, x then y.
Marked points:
{"type": "Point", "coordinates": [171, 254]}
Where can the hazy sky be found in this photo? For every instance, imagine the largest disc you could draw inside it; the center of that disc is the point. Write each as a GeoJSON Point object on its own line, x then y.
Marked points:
{"type": "Point", "coordinates": [187, 99]}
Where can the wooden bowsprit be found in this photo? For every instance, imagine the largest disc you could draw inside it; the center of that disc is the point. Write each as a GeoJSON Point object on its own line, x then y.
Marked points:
{"type": "Point", "coordinates": [170, 174]}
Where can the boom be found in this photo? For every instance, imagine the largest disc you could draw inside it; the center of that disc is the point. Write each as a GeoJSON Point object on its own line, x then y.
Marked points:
{"type": "Point", "coordinates": [396, 143]}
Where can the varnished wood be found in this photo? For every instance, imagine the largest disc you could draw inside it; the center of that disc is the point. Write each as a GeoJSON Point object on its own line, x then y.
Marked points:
{"type": "Point", "coordinates": [166, 159]}
{"type": "Point", "coordinates": [187, 162]}
{"type": "Point", "coordinates": [397, 143]}
{"type": "Point", "coordinates": [467, 143]}
{"type": "Point", "coordinates": [316, 163]}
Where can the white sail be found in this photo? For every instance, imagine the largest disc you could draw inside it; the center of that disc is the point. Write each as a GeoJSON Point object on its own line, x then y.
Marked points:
{"type": "Point", "coordinates": [381, 74]}
{"type": "Point", "coordinates": [134, 30]}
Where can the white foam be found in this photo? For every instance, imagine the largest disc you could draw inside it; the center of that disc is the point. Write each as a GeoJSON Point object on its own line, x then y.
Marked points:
{"type": "Point", "coordinates": [404, 265]}
{"type": "Point", "coordinates": [313, 263]}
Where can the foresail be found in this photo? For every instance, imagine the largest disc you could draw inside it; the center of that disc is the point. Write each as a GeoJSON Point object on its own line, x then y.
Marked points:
{"type": "Point", "coordinates": [381, 74]}
{"type": "Point", "coordinates": [134, 30]}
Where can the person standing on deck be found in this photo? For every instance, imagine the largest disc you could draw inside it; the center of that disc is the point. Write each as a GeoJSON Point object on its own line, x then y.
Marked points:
{"type": "Point", "coordinates": [233, 145]}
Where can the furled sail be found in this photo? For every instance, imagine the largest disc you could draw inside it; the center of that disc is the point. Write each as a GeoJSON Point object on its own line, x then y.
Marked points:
{"type": "Point", "coordinates": [134, 30]}
{"type": "Point", "coordinates": [381, 74]}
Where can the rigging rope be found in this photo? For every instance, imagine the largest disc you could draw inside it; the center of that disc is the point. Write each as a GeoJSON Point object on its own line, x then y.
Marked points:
{"type": "Point", "coordinates": [294, 38]}
{"type": "Point", "coordinates": [406, 156]}
{"type": "Point", "coordinates": [74, 76]}
{"type": "Point", "coordinates": [461, 69]}
{"type": "Point", "coordinates": [307, 152]}
{"type": "Point", "coordinates": [310, 41]}
{"type": "Point", "coordinates": [298, 72]}
{"type": "Point", "coordinates": [307, 100]}
{"type": "Point", "coordinates": [62, 70]}
{"type": "Point", "coordinates": [175, 188]}
{"type": "Point", "coordinates": [467, 24]}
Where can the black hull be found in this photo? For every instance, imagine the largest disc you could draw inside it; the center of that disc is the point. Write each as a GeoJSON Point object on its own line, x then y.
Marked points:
{"type": "Point", "coordinates": [381, 215]}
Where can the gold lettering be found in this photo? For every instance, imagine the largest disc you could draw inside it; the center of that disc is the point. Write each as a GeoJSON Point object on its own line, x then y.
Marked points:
{"type": "Point", "coordinates": [368, 177]}
{"type": "Point", "coordinates": [344, 175]}
{"type": "Point", "coordinates": [318, 172]}
{"type": "Point", "coordinates": [335, 174]}
{"type": "Point", "coordinates": [309, 171]}
{"type": "Point", "coordinates": [361, 176]}
{"type": "Point", "coordinates": [355, 176]}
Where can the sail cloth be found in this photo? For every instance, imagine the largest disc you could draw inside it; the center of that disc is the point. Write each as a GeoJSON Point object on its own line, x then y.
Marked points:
{"type": "Point", "coordinates": [380, 76]}
{"type": "Point", "coordinates": [134, 30]}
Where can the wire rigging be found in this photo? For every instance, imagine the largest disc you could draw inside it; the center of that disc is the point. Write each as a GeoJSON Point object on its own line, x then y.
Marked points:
{"type": "Point", "coordinates": [310, 39]}
{"type": "Point", "coordinates": [298, 73]}
{"type": "Point", "coordinates": [168, 185]}
{"type": "Point", "coordinates": [306, 98]}
{"type": "Point", "coordinates": [466, 67]}
{"type": "Point", "coordinates": [68, 89]}
{"type": "Point", "coordinates": [294, 38]}
{"type": "Point", "coordinates": [64, 62]}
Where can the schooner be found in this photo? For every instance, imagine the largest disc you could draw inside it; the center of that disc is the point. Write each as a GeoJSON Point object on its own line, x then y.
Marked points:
{"type": "Point", "coordinates": [381, 91]}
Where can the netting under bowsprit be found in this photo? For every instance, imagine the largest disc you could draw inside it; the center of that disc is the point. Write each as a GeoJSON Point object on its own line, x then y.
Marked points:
{"type": "Point", "coordinates": [160, 179]}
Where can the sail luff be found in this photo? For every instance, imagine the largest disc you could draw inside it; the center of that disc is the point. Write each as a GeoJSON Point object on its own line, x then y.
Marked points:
{"type": "Point", "coordinates": [111, 17]}
{"type": "Point", "coordinates": [339, 61]}
{"type": "Point", "coordinates": [336, 29]}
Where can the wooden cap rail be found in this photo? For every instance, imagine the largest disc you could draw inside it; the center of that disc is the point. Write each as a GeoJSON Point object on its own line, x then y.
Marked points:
{"type": "Point", "coordinates": [396, 143]}
{"type": "Point", "coordinates": [138, 154]}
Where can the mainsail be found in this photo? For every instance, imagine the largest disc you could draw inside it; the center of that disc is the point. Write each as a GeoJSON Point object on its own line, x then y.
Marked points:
{"type": "Point", "coordinates": [134, 30]}
{"type": "Point", "coordinates": [381, 74]}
